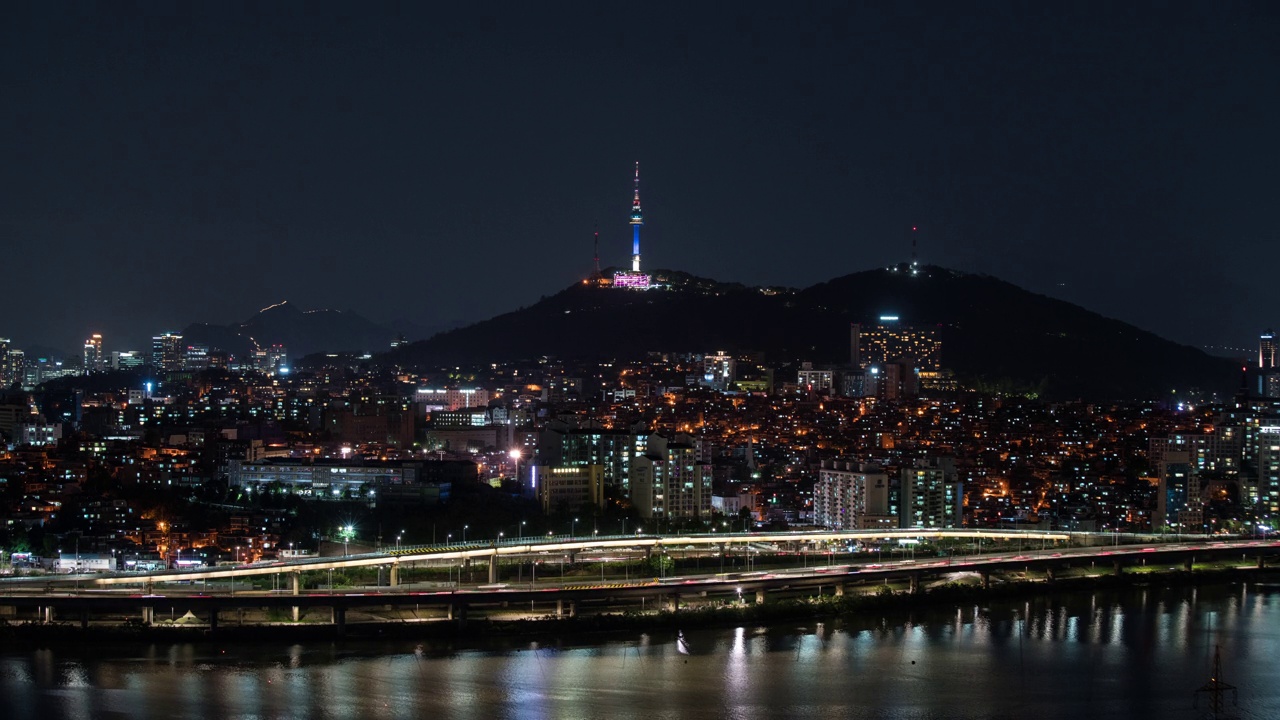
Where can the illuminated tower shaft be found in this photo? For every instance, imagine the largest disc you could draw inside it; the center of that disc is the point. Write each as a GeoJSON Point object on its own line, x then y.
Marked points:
{"type": "Point", "coordinates": [637, 219]}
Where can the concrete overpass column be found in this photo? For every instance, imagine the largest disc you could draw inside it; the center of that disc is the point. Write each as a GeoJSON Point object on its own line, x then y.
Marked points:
{"type": "Point", "coordinates": [340, 620]}
{"type": "Point", "coordinates": [493, 567]}
{"type": "Point", "coordinates": [1119, 566]}
{"type": "Point", "coordinates": [213, 619]}
{"type": "Point", "coordinates": [48, 614]}
{"type": "Point", "coordinates": [573, 608]}
{"type": "Point", "coordinates": [84, 619]}
{"type": "Point", "coordinates": [1188, 563]}
{"type": "Point", "coordinates": [760, 596]}
{"type": "Point", "coordinates": [560, 608]}
{"type": "Point", "coordinates": [1262, 562]}
{"type": "Point", "coordinates": [986, 579]}
{"type": "Point", "coordinates": [1050, 574]}
{"type": "Point", "coordinates": [839, 589]}
{"type": "Point", "coordinates": [394, 580]}
{"type": "Point", "coordinates": [915, 583]}
{"type": "Point", "coordinates": [672, 602]}
{"type": "Point", "coordinates": [295, 584]}
{"type": "Point", "coordinates": [148, 615]}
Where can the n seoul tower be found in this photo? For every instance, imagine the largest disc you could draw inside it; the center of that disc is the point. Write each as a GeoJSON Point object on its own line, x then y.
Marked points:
{"type": "Point", "coordinates": [637, 219]}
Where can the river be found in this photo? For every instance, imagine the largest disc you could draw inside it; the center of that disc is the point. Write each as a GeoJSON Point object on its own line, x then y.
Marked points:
{"type": "Point", "coordinates": [1137, 653]}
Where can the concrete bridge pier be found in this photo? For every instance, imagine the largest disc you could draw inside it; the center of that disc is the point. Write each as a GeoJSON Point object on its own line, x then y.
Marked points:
{"type": "Point", "coordinates": [148, 615]}
{"type": "Point", "coordinates": [1188, 563]}
{"type": "Point", "coordinates": [986, 579]}
{"type": "Point", "coordinates": [493, 567]}
{"type": "Point", "coordinates": [47, 614]}
{"type": "Point", "coordinates": [84, 619]}
{"type": "Point", "coordinates": [1050, 574]}
{"type": "Point", "coordinates": [915, 583]}
{"type": "Point", "coordinates": [1119, 566]}
{"type": "Point", "coordinates": [1262, 561]}
{"type": "Point", "coordinates": [672, 602]}
{"type": "Point", "coordinates": [839, 589]}
{"type": "Point", "coordinates": [213, 619]}
{"type": "Point", "coordinates": [340, 620]}
{"type": "Point", "coordinates": [393, 579]}
{"type": "Point", "coordinates": [295, 583]}
{"type": "Point", "coordinates": [760, 596]}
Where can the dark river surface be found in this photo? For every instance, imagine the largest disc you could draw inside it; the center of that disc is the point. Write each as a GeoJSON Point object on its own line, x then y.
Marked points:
{"type": "Point", "coordinates": [1137, 653]}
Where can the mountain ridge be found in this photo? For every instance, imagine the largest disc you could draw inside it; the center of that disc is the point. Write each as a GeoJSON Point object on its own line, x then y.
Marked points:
{"type": "Point", "coordinates": [302, 332]}
{"type": "Point", "coordinates": [994, 333]}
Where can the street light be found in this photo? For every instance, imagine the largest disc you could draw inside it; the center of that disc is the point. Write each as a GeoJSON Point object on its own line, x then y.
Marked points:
{"type": "Point", "coordinates": [464, 533]}
{"type": "Point", "coordinates": [521, 529]}
{"type": "Point", "coordinates": [573, 529]}
{"type": "Point", "coordinates": [515, 461]}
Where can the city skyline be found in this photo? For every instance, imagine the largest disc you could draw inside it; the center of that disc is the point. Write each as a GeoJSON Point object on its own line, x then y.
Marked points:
{"type": "Point", "coordinates": [196, 164]}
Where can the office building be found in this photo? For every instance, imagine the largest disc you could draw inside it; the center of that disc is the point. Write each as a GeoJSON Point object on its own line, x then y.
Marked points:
{"type": "Point", "coordinates": [167, 352]}
{"type": "Point", "coordinates": [814, 380]}
{"type": "Point", "coordinates": [719, 371]}
{"type": "Point", "coordinates": [94, 358]}
{"type": "Point", "coordinates": [1267, 350]}
{"type": "Point", "coordinates": [126, 359]}
{"type": "Point", "coordinates": [566, 488]}
{"type": "Point", "coordinates": [562, 445]}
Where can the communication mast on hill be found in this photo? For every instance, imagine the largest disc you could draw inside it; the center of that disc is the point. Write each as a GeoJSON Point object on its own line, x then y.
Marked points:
{"type": "Point", "coordinates": [595, 275]}
{"type": "Point", "coordinates": [915, 259]}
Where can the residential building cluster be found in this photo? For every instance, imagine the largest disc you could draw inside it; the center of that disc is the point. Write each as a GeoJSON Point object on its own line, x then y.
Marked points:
{"type": "Point", "coordinates": [674, 441]}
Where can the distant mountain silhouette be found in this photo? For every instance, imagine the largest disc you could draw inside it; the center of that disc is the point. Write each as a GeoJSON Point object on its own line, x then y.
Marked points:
{"type": "Point", "coordinates": [302, 332]}
{"type": "Point", "coordinates": [995, 334]}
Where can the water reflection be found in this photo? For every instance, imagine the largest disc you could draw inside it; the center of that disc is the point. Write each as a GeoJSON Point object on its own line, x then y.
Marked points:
{"type": "Point", "coordinates": [1105, 655]}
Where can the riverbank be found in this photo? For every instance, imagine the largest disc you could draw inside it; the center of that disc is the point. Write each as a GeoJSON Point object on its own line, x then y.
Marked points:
{"type": "Point", "coordinates": [882, 599]}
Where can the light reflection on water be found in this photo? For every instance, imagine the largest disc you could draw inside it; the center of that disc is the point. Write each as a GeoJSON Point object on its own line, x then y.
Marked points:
{"type": "Point", "coordinates": [1104, 655]}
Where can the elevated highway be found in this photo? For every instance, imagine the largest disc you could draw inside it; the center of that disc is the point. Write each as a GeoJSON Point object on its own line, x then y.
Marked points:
{"type": "Point", "coordinates": [45, 598]}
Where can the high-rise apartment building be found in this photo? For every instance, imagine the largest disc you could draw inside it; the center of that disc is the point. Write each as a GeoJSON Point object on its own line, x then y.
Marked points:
{"type": "Point", "coordinates": [1267, 486]}
{"type": "Point", "coordinates": [932, 495]}
{"type": "Point", "coordinates": [852, 496]}
{"type": "Point", "coordinates": [669, 482]}
{"type": "Point", "coordinates": [890, 341]}
{"type": "Point", "coordinates": [1267, 350]}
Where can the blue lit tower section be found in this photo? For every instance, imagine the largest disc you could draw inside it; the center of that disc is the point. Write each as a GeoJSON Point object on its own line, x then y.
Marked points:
{"type": "Point", "coordinates": [637, 219]}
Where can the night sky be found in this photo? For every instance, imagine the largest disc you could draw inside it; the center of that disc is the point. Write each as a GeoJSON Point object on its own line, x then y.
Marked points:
{"type": "Point", "coordinates": [165, 165]}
